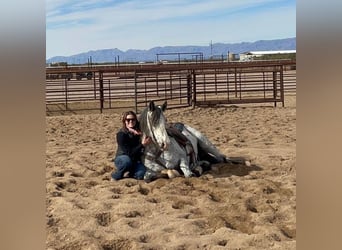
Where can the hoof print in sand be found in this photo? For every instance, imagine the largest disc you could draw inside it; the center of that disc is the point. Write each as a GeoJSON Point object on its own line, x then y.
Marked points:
{"type": "Point", "coordinates": [103, 219]}
{"type": "Point", "coordinates": [132, 214]}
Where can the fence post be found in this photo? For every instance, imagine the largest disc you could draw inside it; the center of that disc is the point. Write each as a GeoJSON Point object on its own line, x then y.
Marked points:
{"type": "Point", "coordinates": [275, 87]}
{"type": "Point", "coordinates": [188, 84]}
{"type": "Point", "coordinates": [194, 88]}
{"type": "Point", "coordinates": [101, 91]}
{"type": "Point", "coordinates": [282, 85]}
{"type": "Point", "coordinates": [94, 86]}
{"type": "Point", "coordinates": [235, 78]}
{"type": "Point", "coordinates": [66, 93]}
{"type": "Point", "coordinates": [136, 92]}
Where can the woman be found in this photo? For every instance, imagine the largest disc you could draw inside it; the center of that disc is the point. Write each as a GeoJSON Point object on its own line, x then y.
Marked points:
{"type": "Point", "coordinates": [130, 149]}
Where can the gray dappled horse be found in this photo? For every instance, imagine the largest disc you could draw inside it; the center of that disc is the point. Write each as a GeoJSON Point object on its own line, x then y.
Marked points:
{"type": "Point", "coordinates": [166, 154]}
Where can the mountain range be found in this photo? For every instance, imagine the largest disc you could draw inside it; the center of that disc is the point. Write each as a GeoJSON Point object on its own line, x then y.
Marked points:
{"type": "Point", "coordinates": [212, 50]}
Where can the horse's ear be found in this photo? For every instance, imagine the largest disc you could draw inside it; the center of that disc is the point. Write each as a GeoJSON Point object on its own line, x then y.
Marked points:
{"type": "Point", "coordinates": [151, 106]}
{"type": "Point", "coordinates": [164, 106]}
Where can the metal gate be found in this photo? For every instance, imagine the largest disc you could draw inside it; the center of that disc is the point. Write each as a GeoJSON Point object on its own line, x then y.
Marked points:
{"type": "Point", "coordinates": [238, 85]}
{"type": "Point", "coordinates": [171, 86]}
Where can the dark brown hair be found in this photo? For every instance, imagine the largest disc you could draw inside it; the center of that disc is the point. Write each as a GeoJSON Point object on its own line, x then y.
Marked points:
{"type": "Point", "coordinates": [124, 116]}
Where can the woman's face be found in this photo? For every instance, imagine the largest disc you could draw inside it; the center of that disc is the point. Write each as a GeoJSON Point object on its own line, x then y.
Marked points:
{"type": "Point", "coordinates": [130, 121]}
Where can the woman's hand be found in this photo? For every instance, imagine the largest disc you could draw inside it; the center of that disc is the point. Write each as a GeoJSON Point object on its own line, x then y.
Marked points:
{"type": "Point", "coordinates": [146, 140]}
{"type": "Point", "coordinates": [133, 131]}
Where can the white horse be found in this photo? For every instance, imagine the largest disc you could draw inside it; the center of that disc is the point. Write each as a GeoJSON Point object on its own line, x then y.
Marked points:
{"type": "Point", "coordinates": [166, 154]}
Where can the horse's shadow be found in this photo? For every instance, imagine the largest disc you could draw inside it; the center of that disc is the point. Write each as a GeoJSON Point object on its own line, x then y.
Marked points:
{"type": "Point", "coordinates": [236, 166]}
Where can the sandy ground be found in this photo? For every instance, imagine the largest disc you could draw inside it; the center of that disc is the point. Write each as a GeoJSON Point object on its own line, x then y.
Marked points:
{"type": "Point", "coordinates": [230, 207]}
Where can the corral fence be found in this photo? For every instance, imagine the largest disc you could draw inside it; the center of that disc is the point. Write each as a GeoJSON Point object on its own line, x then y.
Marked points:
{"type": "Point", "coordinates": [104, 88]}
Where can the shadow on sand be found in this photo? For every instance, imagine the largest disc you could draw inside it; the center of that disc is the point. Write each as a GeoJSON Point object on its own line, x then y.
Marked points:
{"type": "Point", "coordinates": [235, 166]}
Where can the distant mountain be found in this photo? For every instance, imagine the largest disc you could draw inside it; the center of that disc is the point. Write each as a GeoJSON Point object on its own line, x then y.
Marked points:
{"type": "Point", "coordinates": [133, 55]}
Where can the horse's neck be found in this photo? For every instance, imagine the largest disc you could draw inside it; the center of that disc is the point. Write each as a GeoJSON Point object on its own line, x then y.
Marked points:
{"type": "Point", "coordinates": [152, 148]}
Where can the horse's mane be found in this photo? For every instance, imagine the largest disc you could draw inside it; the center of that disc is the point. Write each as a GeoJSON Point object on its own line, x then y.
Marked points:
{"type": "Point", "coordinates": [143, 121]}
{"type": "Point", "coordinates": [157, 112]}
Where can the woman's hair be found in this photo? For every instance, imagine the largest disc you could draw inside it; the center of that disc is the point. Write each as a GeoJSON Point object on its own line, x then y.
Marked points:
{"type": "Point", "coordinates": [124, 116]}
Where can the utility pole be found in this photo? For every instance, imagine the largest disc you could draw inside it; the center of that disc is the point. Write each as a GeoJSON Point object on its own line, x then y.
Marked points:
{"type": "Point", "coordinates": [211, 49]}
{"type": "Point", "coordinates": [90, 62]}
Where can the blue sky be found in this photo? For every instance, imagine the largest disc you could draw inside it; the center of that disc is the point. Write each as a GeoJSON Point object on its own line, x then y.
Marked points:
{"type": "Point", "coordinates": [76, 26]}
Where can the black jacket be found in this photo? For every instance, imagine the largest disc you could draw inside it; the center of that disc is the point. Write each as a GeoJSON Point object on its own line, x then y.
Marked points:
{"type": "Point", "coordinates": [129, 144]}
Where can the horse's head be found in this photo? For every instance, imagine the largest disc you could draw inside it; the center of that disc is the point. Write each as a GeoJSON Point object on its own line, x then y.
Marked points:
{"type": "Point", "coordinates": [153, 124]}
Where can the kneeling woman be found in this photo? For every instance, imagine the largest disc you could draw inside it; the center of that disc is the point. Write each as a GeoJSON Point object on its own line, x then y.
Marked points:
{"type": "Point", "coordinates": [130, 149]}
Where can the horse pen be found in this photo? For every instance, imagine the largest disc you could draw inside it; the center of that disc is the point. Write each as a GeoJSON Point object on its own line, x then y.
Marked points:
{"type": "Point", "coordinates": [104, 88]}
{"type": "Point", "coordinates": [231, 206]}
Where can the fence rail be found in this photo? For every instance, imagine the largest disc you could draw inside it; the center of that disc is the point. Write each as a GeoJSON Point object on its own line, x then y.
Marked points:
{"type": "Point", "coordinates": [181, 85]}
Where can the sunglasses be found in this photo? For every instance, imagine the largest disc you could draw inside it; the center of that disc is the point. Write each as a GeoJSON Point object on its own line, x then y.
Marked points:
{"type": "Point", "coordinates": [130, 120]}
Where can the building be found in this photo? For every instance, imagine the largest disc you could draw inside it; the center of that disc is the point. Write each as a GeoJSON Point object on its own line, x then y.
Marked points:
{"type": "Point", "coordinates": [248, 56]}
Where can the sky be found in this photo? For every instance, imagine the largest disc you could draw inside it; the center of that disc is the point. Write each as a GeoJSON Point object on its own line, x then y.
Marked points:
{"type": "Point", "coordinates": [77, 26]}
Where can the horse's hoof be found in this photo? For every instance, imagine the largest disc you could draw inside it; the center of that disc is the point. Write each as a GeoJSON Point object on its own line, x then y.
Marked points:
{"type": "Point", "coordinates": [172, 173]}
{"type": "Point", "coordinates": [153, 176]}
{"type": "Point", "coordinates": [205, 165]}
{"type": "Point", "coordinates": [148, 180]}
{"type": "Point", "coordinates": [197, 171]}
{"type": "Point", "coordinates": [191, 174]}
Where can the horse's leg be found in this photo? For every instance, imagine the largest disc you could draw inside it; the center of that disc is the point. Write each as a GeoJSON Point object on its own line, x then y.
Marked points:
{"type": "Point", "coordinates": [183, 160]}
{"type": "Point", "coordinates": [205, 145]}
{"type": "Point", "coordinates": [171, 173]}
{"type": "Point", "coordinates": [192, 139]}
{"type": "Point", "coordinates": [153, 169]}
{"type": "Point", "coordinates": [151, 175]}
{"type": "Point", "coordinates": [184, 166]}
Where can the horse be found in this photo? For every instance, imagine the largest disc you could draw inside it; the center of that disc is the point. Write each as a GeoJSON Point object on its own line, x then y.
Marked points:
{"type": "Point", "coordinates": [166, 153]}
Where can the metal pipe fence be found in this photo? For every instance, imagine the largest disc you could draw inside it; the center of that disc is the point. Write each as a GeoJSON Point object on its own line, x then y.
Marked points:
{"type": "Point", "coordinates": [181, 85]}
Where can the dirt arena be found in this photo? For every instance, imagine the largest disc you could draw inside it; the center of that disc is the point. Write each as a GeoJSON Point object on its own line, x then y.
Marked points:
{"type": "Point", "coordinates": [230, 207]}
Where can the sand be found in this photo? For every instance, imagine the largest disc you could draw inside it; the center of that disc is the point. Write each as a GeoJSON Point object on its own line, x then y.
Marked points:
{"type": "Point", "coordinates": [233, 206]}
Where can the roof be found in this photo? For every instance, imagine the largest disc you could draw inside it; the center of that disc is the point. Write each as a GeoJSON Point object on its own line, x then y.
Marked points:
{"type": "Point", "coordinates": [268, 52]}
